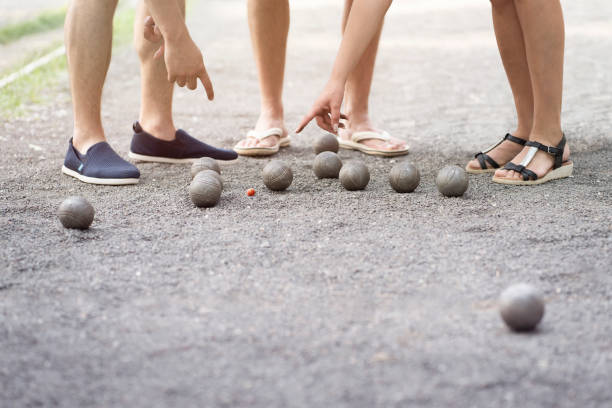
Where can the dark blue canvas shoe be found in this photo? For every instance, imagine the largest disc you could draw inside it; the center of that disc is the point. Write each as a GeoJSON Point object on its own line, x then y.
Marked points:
{"type": "Point", "coordinates": [101, 165]}
{"type": "Point", "coordinates": [183, 149]}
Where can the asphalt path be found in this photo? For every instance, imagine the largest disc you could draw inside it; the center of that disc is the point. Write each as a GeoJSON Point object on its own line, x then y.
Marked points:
{"type": "Point", "coordinates": [316, 297]}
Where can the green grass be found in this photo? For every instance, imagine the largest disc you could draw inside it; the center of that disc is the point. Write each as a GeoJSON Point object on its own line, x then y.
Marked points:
{"type": "Point", "coordinates": [45, 21]}
{"type": "Point", "coordinates": [35, 87]}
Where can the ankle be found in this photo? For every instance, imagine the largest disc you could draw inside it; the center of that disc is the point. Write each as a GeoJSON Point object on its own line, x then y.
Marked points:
{"type": "Point", "coordinates": [272, 112]}
{"type": "Point", "coordinates": [160, 130]}
{"type": "Point", "coordinates": [550, 137]}
{"type": "Point", "coordinates": [82, 140]}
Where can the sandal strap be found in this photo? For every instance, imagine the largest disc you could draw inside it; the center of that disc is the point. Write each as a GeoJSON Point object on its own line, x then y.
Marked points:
{"type": "Point", "coordinates": [556, 152]}
{"type": "Point", "coordinates": [360, 136]}
{"type": "Point", "coordinates": [515, 139]}
{"type": "Point", "coordinates": [262, 134]}
{"type": "Point", "coordinates": [519, 168]}
{"type": "Point", "coordinates": [483, 158]}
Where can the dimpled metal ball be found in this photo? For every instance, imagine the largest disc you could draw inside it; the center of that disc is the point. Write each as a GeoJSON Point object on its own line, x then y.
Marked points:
{"type": "Point", "coordinates": [354, 176]}
{"type": "Point", "coordinates": [404, 177]}
{"type": "Point", "coordinates": [521, 306]}
{"type": "Point", "coordinates": [326, 143]}
{"type": "Point", "coordinates": [277, 176]}
{"type": "Point", "coordinates": [327, 165]}
{"type": "Point", "coordinates": [76, 212]}
{"type": "Point", "coordinates": [213, 173]}
{"type": "Point", "coordinates": [205, 189]}
{"type": "Point", "coordinates": [204, 163]}
{"type": "Point", "coordinates": [452, 181]}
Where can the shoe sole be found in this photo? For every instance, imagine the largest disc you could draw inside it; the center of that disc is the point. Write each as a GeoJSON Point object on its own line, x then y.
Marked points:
{"type": "Point", "coordinates": [262, 151]}
{"type": "Point", "coordinates": [94, 180]}
{"type": "Point", "coordinates": [156, 159]}
{"type": "Point", "coordinates": [562, 172]}
{"type": "Point", "coordinates": [371, 151]}
{"type": "Point", "coordinates": [479, 171]}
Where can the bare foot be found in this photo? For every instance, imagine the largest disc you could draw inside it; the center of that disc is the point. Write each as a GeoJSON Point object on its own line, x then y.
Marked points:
{"type": "Point", "coordinates": [365, 125]}
{"type": "Point", "coordinates": [264, 123]}
{"type": "Point", "coordinates": [502, 154]}
{"type": "Point", "coordinates": [541, 164]}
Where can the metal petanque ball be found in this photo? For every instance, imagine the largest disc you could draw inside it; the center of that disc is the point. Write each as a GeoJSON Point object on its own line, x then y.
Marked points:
{"type": "Point", "coordinates": [327, 165]}
{"type": "Point", "coordinates": [404, 177]}
{"type": "Point", "coordinates": [354, 176]}
{"type": "Point", "coordinates": [205, 189]}
{"type": "Point", "coordinates": [452, 181]}
{"type": "Point", "coordinates": [204, 163]}
{"type": "Point", "coordinates": [76, 212]}
{"type": "Point", "coordinates": [326, 143]}
{"type": "Point", "coordinates": [213, 173]}
{"type": "Point", "coordinates": [521, 306]}
{"type": "Point", "coordinates": [277, 176]}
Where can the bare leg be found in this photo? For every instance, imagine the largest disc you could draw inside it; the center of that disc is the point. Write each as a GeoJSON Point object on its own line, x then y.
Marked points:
{"type": "Point", "coordinates": [269, 26]}
{"type": "Point", "coordinates": [357, 93]}
{"type": "Point", "coordinates": [512, 51]}
{"type": "Point", "coordinates": [544, 35]}
{"type": "Point", "coordinates": [88, 36]}
{"type": "Point", "coordinates": [156, 91]}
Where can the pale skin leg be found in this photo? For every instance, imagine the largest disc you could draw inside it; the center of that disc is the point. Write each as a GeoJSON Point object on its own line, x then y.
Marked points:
{"type": "Point", "coordinates": [357, 94]}
{"type": "Point", "coordinates": [514, 57]}
{"type": "Point", "coordinates": [544, 38]}
{"type": "Point", "coordinates": [156, 90]}
{"type": "Point", "coordinates": [269, 26]}
{"type": "Point", "coordinates": [87, 64]}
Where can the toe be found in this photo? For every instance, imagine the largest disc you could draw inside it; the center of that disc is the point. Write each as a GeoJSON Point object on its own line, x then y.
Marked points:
{"type": "Point", "coordinates": [474, 164]}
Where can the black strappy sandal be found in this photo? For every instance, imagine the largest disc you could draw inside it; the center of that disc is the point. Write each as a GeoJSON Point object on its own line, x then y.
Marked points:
{"type": "Point", "coordinates": [483, 157]}
{"type": "Point", "coordinates": [561, 169]}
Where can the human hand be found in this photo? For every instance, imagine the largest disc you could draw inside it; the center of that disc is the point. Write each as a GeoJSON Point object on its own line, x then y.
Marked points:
{"type": "Point", "coordinates": [182, 56]}
{"type": "Point", "coordinates": [326, 109]}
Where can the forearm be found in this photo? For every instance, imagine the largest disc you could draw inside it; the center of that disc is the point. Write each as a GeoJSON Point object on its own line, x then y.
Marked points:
{"type": "Point", "coordinates": [364, 21]}
{"type": "Point", "coordinates": [169, 17]}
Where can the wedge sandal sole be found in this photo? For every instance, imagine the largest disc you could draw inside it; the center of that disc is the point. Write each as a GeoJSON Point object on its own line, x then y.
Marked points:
{"type": "Point", "coordinates": [564, 171]}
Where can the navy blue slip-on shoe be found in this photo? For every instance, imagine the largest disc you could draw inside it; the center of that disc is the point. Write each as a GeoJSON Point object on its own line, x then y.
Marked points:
{"type": "Point", "coordinates": [101, 165]}
{"type": "Point", "coordinates": [183, 149]}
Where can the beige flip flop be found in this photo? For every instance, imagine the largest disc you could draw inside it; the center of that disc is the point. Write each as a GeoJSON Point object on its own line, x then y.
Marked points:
{"type": "Point", "coordinates": [260, 135]}
{"type": "Point", "coordinates": [561, 169]}
{"type": "Point", "coordinates": [357, 137]}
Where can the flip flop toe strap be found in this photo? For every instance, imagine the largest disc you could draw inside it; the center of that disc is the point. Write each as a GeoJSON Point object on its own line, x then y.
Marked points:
{"type": "Point", "coordinates": [361, 136]}
{"type": "Point", "coordinates": [263, 134]}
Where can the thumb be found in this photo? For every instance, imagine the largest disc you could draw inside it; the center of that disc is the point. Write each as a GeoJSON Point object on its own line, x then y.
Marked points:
{"type": "Point", "coordinates": [159, 53]}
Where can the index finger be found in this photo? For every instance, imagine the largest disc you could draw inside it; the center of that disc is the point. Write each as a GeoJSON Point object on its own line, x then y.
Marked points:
{"type": "Point", "coordinates": [305, 121]}
{"type": "Point", "coordinates": [210, 93]}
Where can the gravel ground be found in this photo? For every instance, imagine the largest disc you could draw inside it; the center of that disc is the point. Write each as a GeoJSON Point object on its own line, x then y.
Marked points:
{"type": "Point", "coordinates": [316, 296]}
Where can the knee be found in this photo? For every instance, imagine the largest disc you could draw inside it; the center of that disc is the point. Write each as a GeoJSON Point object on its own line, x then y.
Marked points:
{"type": "Point", "coordinates": [501, 3]}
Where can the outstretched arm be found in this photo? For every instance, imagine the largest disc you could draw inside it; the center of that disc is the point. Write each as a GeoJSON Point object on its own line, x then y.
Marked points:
{"type": "Point", "coordinates": [183, 58]}
{"type": "Point", "coordinates": [364, 21]}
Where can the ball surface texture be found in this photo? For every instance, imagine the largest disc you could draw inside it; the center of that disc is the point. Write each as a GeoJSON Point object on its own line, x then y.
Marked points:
{"type": "Point", "coordinates": [521, 306]}
{"type": "Point", "coordinates": [404, 177]}
{"type": "Point", "coordinates": [452, 181]}
{"type": "Point", "coordinates": [205, 189]}
{"type": "Point", "coordinates": [354, 176]}
{"type": "Point", "coordinates": [277, 175]}
{"type": "Point", "coordinates": [204, 163]}
{"type": "Point", "coordinates": [326, 143]}
{"type": "Point", "coordinates": [327, 165]}
{"type": "Point", "coordinates": [76, 212]}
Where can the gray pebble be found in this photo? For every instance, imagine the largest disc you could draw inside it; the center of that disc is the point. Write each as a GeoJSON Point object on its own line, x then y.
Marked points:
{"type": "Point", "coordinates": [205, 189]}
{"type": "Point", "coordinates": [326, 143]}
{"type": "Point", "coordinates": [521, 306]}
{"type": "Point", "coordinates": [327, 165]}
{"type": "Point", "coordinates": [76, 212]}
{"type": "Point", "coordinates": [277, 175]}
{"type": "Point", "coordinates": [204, 163]}
{"type": "Point", "coordinates": [404, 177]}
{"type": "Point", "coordinates": [452, 181]}
{"type": "Point", "coordinates": [354, 176]}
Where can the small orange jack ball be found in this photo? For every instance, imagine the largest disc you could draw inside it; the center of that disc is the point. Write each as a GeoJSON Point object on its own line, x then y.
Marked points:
{"type": "Point", "coordinates": [251, 192]}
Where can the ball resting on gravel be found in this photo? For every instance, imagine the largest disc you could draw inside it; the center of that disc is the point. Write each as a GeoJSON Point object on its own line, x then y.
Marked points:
{"type": "Point", "coordinates": [76, 212]}
{"type": "Point", "coordinates": [521, 306]}
{"type": "Point", "coordinates": [404, 177]}
{"type": "Point", "coordinates": [205, 189]}
{"type": "Point", "coordinates": [204, 163]}
{"type": "Point", "coordinates": [327, 165]}
{"type": "Point", "coordinates": [354, 176]}
{"type": "Point", "coordinates": [326, 143]}
{"type": "Point", "coordinates": [213, 173]}
{"type": "Point", "coordinates": [452, 181]}
{"type": "Point", "coordinates": [277, 176]}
